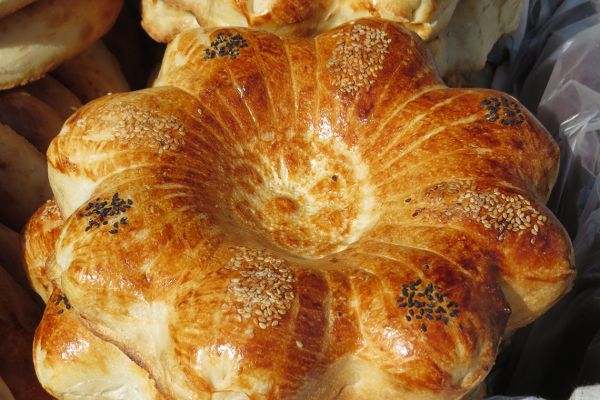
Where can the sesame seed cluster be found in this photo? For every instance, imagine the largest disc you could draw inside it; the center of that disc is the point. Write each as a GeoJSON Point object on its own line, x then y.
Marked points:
{"type": "Point", "coordinates": [134, 125]}
{"type": "Point", "coordinates": [103, 213]}
{"type": "Point", "coordinates": [424, 302]}
{"type": "Point", "coordinates": [51, 210]}
{"type": "Point", "coordinates": [502, 212]}
{"type": "Point", "coordinates": [264, 288]}
{"type": "Point", "coordinates": [225, 45]}
{"type": "Point", "coordinates": [358, 58]}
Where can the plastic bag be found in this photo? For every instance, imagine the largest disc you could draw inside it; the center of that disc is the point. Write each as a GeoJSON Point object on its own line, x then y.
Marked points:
{"type": "Point", "coordinates": [556, 73]}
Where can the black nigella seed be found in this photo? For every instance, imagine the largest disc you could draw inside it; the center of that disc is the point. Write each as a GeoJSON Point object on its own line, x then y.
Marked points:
{"type": "Point", "coordinates": [68, 306]}
{"type": "Point", "coordinates": [411, 312]}
{"type": "Point", "coordinates": [61, 311]}
{"type": "Point", "coordinates": [113, 231]}
{"type": "Point", "coordinates": [408, 318]}
{"type": "Point", "coordinates": [429, 317]}
{"type": "Point", "coordinates": [424, 327]}
{"type": "Point", "coordinates": [454, 313]}
{"type": "Point", "coordinates": [419, 317]}
{"type": "Point", "coordinates": [408, 201]}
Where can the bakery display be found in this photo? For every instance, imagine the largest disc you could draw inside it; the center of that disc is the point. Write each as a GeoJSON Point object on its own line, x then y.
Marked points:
{"type": "Point", "coordinates": [460, 33]}
{"type": "Point", "coordinates": [297, 218]}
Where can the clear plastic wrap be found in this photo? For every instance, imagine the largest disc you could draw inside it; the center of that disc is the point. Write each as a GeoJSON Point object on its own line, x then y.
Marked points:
{"type": "Point", "coordinates": [555, 72]}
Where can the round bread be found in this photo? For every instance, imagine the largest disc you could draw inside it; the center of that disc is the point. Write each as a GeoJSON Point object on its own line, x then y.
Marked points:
{"type": "Point", "coordinates": [164, 18]}
{"type": "Point", "coordinates": [23, 179]}
{"type": "Point", "coordinates": [56, 31]}
{"type": "Point", "coordinates": [307, 219]}
{"type": "Point", "coordinates": [32, 118]}
{"type": "Point", "coordinates": [55, 94]}
{"type": "Point", "coordinates": [10, 6]}
{"type": "Point", "coordinates": [461, 33]}
{"type": "Point", "coordinates": [92, 74]}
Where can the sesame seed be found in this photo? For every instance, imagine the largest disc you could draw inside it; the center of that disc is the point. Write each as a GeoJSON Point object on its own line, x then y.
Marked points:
{"type": "Point", "coordinates": [358, 57]}
{"type": "Point", "coordinates": [262, 287]}
{"type": "Point", "coordinates": [513, 212]}
{"type": "Point", "coordinates": [145, 127]}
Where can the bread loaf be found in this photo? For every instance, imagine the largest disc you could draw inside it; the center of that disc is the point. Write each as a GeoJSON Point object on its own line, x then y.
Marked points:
{"type": "Point", "coordinates": [305, 219]}
{"type": "Point", "coordinates": [460, 33]}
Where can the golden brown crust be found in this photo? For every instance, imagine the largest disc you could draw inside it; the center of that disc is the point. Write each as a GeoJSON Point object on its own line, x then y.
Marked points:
{"type": "Point", "coordinates": [71, 362]}
{"type": "Point", "coordinates": [39, 239]}
{"type": "Point", "coordinates": [163, 19]}
{"type": "Point", "coordinates": [279, 220]}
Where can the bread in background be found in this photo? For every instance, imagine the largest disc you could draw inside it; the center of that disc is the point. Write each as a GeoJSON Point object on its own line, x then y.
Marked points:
{"type": "Point", "coordinates": [42, 35]}
{"type": "Point", "coordinates": [92, 74]}
{"type": "Point", "coordinates": [30, 117]}
{"type": "Point", "coordinates": [55, 94]}
{"type": "Point", "coordinates": [19, 316]}
{"type": "Point", "coordinates": [10, 255]}
{"type": "Point", "coordinates": [8, 7]}
{"type": "Point", "coordinates": [23, 179]}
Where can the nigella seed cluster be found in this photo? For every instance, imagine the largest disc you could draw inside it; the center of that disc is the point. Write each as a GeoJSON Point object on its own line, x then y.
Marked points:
{"type": "Point", "coordinates": [503, 107]}
{"type": "Point", "coordinates": [424, 302]}
{"type": "Point", "coordinates": [225, 45]}
{"type": "Point", "coordinates": [105, 213]}
{"type": "Point", "coordinates": [62, 299]}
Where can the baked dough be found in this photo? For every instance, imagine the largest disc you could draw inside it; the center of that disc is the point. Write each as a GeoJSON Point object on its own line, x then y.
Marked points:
{"type": "Point", "coordinates": [461, 32]}
{"type": "Point", "coordinates": [306, 219]}
{"type": "Point", "coordinates": [56, 31]}
{"type": "Point", "coordinates": [164, 18]}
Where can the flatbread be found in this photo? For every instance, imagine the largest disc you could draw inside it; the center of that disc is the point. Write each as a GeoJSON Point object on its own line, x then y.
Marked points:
{"type": "Point", "coordinates": [41, 36]}
{"type": "Point", "coordinates": [24, 183]}
{"type": "Point", "coordinates": [55, 94]}
{"type": "Point", "coordinates": [8, 7]}
{"type": "Point", "coordinates": [35, 120]}
{"type": "Point", "coordinates": [474, 28]}
{"type": "Point", "coordinates": [19, 316]}
{"type": "Point", "coordinates": [11, 257]}
{"type": "Point", "coordinates": [92, 74]}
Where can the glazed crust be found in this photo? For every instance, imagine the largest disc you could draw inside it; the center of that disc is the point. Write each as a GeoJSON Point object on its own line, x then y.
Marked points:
{"type": "Point", "coordinates": [307, 219]}
{"type": "Point", "coordinates": [292, 17]}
